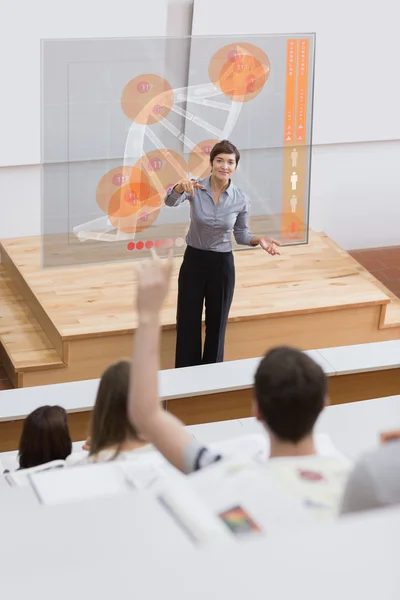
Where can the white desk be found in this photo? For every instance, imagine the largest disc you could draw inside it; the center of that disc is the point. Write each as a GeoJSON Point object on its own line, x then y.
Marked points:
{"type": "Point", "coordinates": [362, 358]}
{"type": "Point", "coordinates": [108, 540]}
{"type": "Point", "coordinates": [125, 546]}
{"type": "Point", "coordinates": [17, 500]}
{"type": "Point", "coordinates": [197, 381]}
{"type": "Point", "coordinates": [353, 428]}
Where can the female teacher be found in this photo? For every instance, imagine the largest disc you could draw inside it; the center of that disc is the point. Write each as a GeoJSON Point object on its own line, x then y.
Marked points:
{"type": "Point", "coordinates": [207, 272]}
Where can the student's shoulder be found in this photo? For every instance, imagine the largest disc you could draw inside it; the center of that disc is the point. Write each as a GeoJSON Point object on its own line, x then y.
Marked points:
{"type": "Point", "coordinates": [372, 482]}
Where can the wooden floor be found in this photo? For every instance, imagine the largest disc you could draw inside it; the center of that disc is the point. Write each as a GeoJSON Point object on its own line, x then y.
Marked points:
{"type": "Point", "coordinates": [383, 263]}
{"type": "Point", "coordinates": [69, 323]}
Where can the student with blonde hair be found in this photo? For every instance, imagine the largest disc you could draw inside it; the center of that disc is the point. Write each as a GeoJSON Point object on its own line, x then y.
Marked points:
{"type": "Point", "coordinates": [112, 435]}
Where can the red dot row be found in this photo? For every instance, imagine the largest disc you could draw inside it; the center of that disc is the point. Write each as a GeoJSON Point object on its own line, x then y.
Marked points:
{"type": "Point", "coordinates": [149, 244]}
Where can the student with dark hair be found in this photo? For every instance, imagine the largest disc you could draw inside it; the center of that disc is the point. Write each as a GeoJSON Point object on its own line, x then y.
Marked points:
{"type": "Point", "coordinates": [45, 437]}
{"type": "Point", "coordinates": [290, 393]}
{"type": "Point", "coordinates": [207, 274]}
{"type": "Point", "coordinates": [112, 435]}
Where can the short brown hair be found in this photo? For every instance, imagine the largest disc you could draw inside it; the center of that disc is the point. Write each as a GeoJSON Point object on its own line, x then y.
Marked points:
{"type": "Point", "coordinates": [110, 425]}
{"type": "Point", "coordinates": [45, 437]}
{"type": "Point", "coordinates": [290, 389]}
{"type": "Point", "coordinates": [224, 147]}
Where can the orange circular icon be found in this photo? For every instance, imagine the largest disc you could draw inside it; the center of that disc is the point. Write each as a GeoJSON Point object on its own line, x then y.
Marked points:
{"type": "Point", "coordinates": [242, 79]}
{"type": "Point", "coordinates": [199, 159]}
{"type": "Point", "coordinates": [109, 184]}
{"type": "Point", "coordinates": [120, 189]}
{"type": "Point", "coordinates": [140, 219]}
{"type": "Point", "coordinates": [163, 168]}
{"type": "Point", "coordinates": [129, 199]}
{"type": "Point", "coordinates": [147, 99]}
{"type": "Point", "coordinates": [239, 70]}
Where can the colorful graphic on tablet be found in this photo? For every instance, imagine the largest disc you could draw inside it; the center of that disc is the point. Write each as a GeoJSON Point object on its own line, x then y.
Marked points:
{"type": "Point", "coordinates": [239, 522]}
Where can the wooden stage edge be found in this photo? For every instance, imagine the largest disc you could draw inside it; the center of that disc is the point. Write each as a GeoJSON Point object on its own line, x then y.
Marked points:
{"type": "Point", "coordinates": [237, 404]}
{"type": "Point", "coordinates": [69, 324]}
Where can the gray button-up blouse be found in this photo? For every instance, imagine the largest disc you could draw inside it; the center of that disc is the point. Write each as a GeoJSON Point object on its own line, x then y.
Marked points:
{"type": "Point", "coordinates": [211, 224]}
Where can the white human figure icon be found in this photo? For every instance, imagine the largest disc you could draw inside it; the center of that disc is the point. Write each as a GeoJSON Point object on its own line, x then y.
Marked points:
{"type": "Point", "coordinates": [293, 203]}
{"type": "Point", "coordinates": [294, 179]}
{"type": "Point", "coordinates": [294, 154]}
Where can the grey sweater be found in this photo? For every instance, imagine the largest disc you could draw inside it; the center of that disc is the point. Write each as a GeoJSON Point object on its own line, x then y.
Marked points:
{"type": "Point", "coordinates": [375, 480]}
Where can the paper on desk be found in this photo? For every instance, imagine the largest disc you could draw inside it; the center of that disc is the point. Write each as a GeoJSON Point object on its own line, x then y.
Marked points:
{"type": "Point", "coordinates": [9, 461]}
{"type": "Point", "coordinates": [257, 447]}
{"type": "Point", "coordinates": [79, 483]}
{"type": "Point", "coordinates": [189, 511]}
{"type": "Point", "coordinates": [21, 478]}
{"type": "Point", "coordinates": [143, 473]}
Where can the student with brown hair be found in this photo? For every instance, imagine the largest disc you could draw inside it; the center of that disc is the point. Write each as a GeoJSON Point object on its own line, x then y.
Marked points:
{"type": "Point", "coordinates": [290, 391]}
{"type": "Point", "coordinates": [112, 436]}
{"type": "Point", "coordinates": [45, 437]}
{"type": "Point", "coordinates": [217, 208]}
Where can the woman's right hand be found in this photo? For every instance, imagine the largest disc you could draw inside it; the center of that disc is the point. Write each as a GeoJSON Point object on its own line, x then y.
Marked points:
{"type": "Point", "coordinates": [188, 186]}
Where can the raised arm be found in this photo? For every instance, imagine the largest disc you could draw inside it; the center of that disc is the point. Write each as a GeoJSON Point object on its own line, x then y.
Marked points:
{"type": "Point", "coordinates": [174, 198]}
{"type": "Point", "coordinates": [159, 427]}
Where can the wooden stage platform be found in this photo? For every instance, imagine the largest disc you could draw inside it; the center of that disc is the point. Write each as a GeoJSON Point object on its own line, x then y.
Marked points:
{"type": "Point", "coordinates": [68, 324]}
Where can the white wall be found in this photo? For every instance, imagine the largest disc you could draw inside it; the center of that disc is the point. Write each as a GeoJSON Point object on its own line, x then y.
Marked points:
{"type": "Point", "coordinates": [23, 24]}
{"type": "Point", "coordinates": [355, 58]}
{"type": "Point", "coordinates": [355, 188]}
{"type": "Point", "coordinates": [20, 202]}
{"type": "Point", "coordinates": [355, 194]}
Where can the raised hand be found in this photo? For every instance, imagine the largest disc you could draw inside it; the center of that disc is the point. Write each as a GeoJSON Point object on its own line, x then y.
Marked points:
{"type": "Point", "coordinates": [268, 245]}
{"type": "Point", "coordinates": [153, 283]}
{"type": "Point", "coordinates": [188, 186]}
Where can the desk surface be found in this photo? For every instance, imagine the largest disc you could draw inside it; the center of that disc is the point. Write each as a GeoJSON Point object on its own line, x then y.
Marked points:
{"type": "Point", "coordinates": [205, 379]}
{"type": "Point", "coordinates": [353, 428]}
{"type": "Point", "coordinates": [127, 546]}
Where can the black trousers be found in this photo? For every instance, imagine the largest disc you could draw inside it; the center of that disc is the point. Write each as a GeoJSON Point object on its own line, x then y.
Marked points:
{"type": "Point", "coordinates": [209, 277]}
